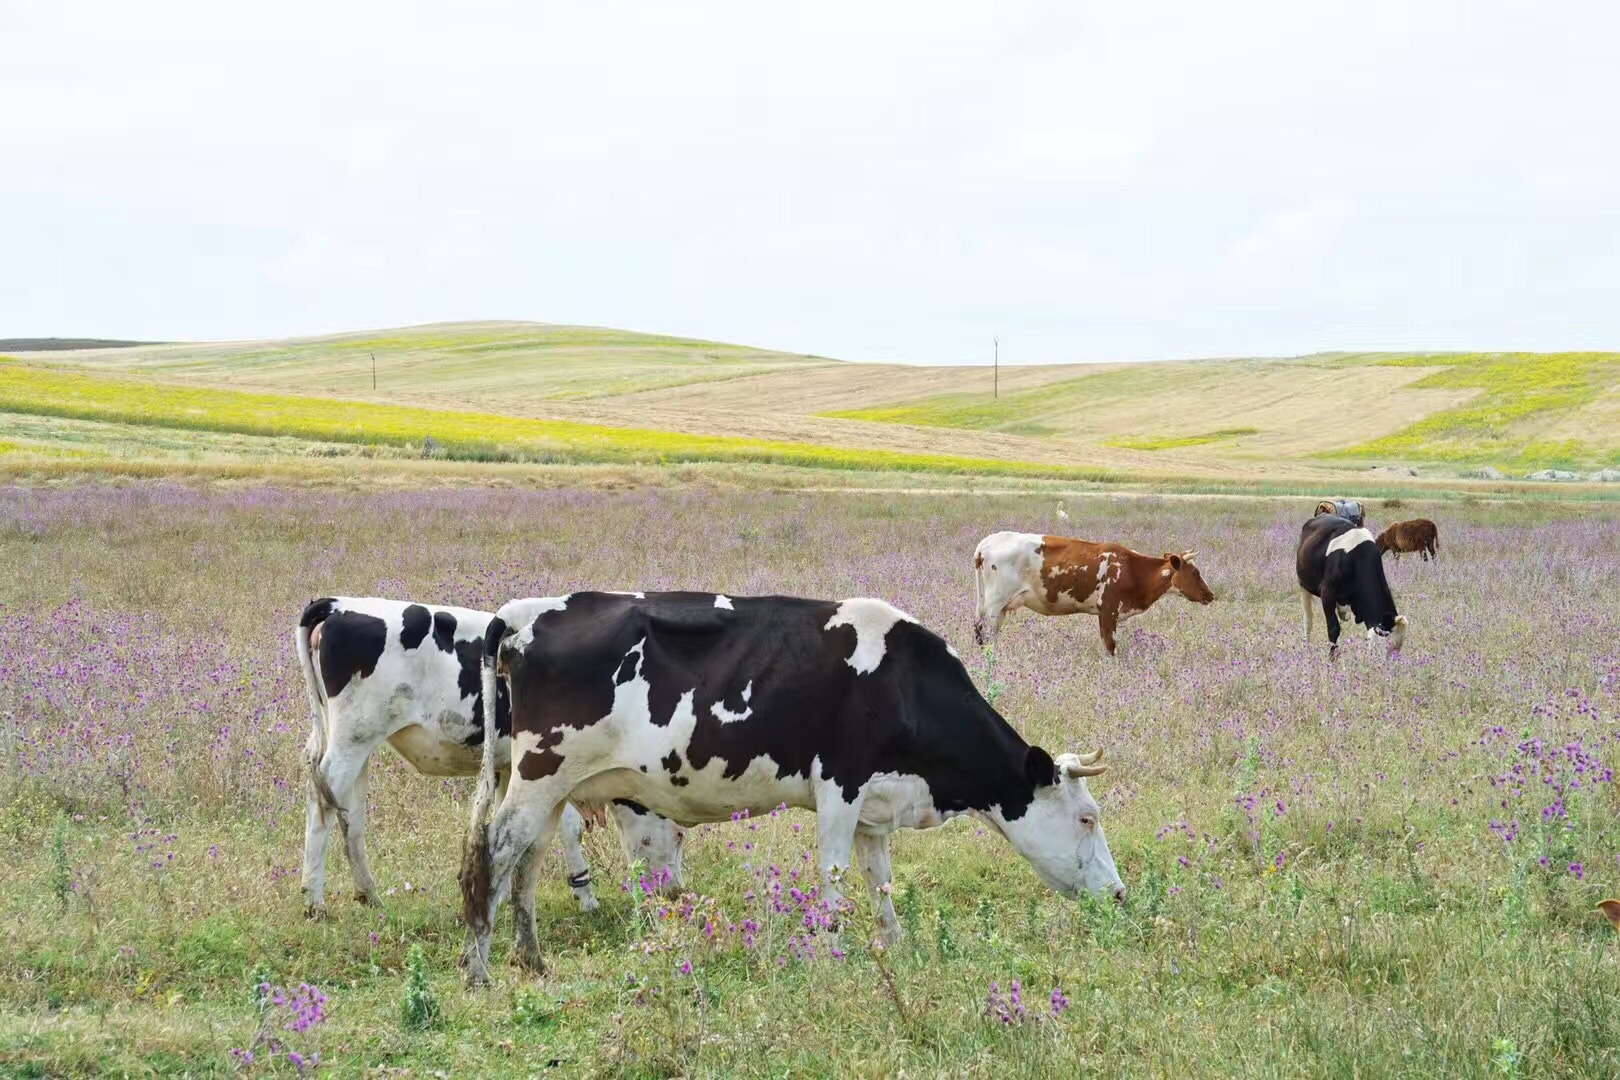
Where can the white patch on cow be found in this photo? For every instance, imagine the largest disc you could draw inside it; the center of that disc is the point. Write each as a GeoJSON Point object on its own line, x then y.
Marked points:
{"type": "Point", "coordinates": [723, 602]}
{"type": "Point", "coordinates": [1349, 540]}
{"type": "Point", "coordinates": [622, 592]}
{"type": "Point", "coordinates": [872, 620]}
{"type": "Point", "coordinates": [952, 650]}
{"type": "Point", "coordinates": [1067, 854]}
{"type": "Point", "coordinates": [726, 716]}
{"type": "Point", "coordinates": [900, 801]}
{"type": "Point", "coordinates": [520, 615]}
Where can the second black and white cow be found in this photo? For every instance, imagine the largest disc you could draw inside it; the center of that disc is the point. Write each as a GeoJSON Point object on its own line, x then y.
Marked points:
{"type": "Point", "coordinates": [700, 706]}
{"type": "Point", "coordinates": [408, 675]}
{"type": "Point", "coordinates": [1338, 565]}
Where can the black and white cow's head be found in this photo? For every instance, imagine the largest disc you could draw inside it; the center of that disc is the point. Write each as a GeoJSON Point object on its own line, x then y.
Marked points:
{"type": "Point", "coordinates": [1061, 830]}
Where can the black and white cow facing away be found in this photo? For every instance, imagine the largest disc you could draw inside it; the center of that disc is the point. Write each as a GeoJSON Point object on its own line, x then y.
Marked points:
{"type": "Point", "coordinates": [1339, 566]}
{"type": "Point", "coordinates": [406, 674]}
{"type": "Point", "coordinates": [698, 706]}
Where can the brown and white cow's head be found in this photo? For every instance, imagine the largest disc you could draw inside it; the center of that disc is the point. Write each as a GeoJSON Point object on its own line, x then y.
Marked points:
{"type": "Point", "coordinates": [1185, 578]}
{"type": "Point", "coordinates": [1061, 832]}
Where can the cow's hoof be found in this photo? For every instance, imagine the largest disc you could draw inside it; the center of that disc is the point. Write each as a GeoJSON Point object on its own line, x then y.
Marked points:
{"type": "Point", "coordinates": [532, 963]}
{"type": "Point", "coordinates": [315, 912]}
{"type": "Point", "coordinates": [363, 898]}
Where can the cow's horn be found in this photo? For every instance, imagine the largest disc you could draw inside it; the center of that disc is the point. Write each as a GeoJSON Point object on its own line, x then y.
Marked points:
{"type": "Point", "coordinates": [1091, 758]}
{"type": "Point", "coordinates": [1189, 555]}
{"type": "Point", "coordinates": [1076, 770]}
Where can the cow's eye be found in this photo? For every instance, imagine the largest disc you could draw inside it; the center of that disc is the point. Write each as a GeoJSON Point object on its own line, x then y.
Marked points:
{"type": "Point", "coordinates": [646, 841]}
{"type": "Point", "coordinates": [1088, 821]}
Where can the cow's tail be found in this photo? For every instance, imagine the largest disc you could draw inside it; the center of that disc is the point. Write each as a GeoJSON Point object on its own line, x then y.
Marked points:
{"type": "Point", "coordinates": [315, 613]}
{"type": "Point", "coordinates": [979, 613]}
{"type": "Point", "coordinates": [475, 865]}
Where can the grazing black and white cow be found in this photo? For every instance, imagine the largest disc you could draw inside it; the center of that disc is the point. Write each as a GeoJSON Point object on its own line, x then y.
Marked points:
{"type": "Point", "coordinates": [409, 675]}
{"type": "Point", "coordinates": [699, 706]}
{"type": "Point", "coordinates": [1339, 565]}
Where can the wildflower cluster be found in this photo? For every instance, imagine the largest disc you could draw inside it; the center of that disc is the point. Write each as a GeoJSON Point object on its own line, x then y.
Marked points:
{"type": "Point", "coordinates": [1008, 1008]}
{"type": "Point", "coordinates": [281, 1011]}
{"type": "Point", "coordinates": [1544, 781]}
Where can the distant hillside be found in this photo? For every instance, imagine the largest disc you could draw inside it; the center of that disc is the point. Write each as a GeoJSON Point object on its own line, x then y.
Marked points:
{"type": "Point", "coordinates": [522, 361]}
{"type": "Point", "coordinates": [64, 344]}
{"type": "Point", "coordinates": [1325, 417]}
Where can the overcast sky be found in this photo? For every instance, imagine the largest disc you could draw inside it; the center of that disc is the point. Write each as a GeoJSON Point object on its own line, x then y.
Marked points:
{"type": "Point", "coordinates": [870, 180]}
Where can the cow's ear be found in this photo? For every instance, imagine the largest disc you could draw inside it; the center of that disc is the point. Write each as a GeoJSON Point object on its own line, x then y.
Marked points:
{"type": "Point", "coordinates": [1039, 768]}
{"type": "Point", "coordinates": [1173, 560]}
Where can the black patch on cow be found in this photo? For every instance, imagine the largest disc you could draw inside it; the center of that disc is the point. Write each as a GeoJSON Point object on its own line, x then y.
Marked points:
{"type": "Point", "coordinates": [444, 631]}
{"type": "Point", "coordinates": [317, 612]}
{"type": "Point", "coordinates": [351, 645]}
{"type": "Point", "coordinates": [918, 713]}
{"type": "Point", "coordinates": [470, 681]}
{"type": "Point", "coordinates": [1353, 579]}
{"type": "Point", "coordinates": [633, 806]}
{"type": "Point", "coordinates": [672, 763]}
{"type": "Point", "coordinates": [644, 768]}
{"type": "Point", "coordinates": [679, 781]}
{"type": "Point", "coordinates": [415, 623]}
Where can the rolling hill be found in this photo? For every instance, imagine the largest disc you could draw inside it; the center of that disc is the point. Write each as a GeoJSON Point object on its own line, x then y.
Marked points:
{"type": "Point", "coordinates": [541, 392]}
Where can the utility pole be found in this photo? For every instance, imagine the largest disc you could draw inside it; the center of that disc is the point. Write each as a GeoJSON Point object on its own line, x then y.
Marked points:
{"type": "Point", "coordinates": [374, 371]}
{"type": "Point", "coordinates": [995, 392]}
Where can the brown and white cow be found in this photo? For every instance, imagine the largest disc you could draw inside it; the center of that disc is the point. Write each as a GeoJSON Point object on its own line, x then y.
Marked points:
{"type": "Point", "coordinates": [1056, 575]}
{"type": "Point", "coordinates": [1417, 535]}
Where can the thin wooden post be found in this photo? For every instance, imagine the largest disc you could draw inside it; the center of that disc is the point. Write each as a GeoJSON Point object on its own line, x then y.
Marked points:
{"type": "Point", "coordinates": [374, 371]}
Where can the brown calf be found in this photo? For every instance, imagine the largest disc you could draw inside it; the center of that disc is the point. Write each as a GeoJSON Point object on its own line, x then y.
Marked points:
{"type": "Point", "coordinates": [1417, 535]}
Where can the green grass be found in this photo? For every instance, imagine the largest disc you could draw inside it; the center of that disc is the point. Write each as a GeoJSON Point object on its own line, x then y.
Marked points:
{"type": "Point", "coordinates": [1517, 392]}
{"type": "Point", "coordinates": [1011, 415]}
{"type": "Point", "coordinates": [1174, 442]}
{"type": "Point", "coordinates": [460, 435]}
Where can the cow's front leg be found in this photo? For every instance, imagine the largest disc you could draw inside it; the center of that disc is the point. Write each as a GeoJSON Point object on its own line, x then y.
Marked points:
{"type": "Point", "coordinates": [1107, 623]}
{"type": "Point", "coordinates": [579, 871]}
{"type": "Point", "coordinates": [836, 822]}
{"type": "Point", "coordinates": [1330, 615]}
{"type": "Point", "coordinates": [872, 852]}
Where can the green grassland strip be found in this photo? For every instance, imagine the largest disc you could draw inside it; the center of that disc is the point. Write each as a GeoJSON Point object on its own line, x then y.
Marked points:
{"type": "Point", "coordinates": [1496, 426]}
{"type": "Point", "coordinates": [460, 435]}
{"type": "Point", "coordinates": [1175, 442]}
{"type": "Point", "coordinates": [1033, 411]}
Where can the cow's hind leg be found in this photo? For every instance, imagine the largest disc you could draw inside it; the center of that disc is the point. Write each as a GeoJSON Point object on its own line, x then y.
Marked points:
{"type": "Point", "coordinates": [354, 836]}
{"type": "Point", "coordinates": [527, 818]}
{"type": "Point", "coordinates": [836, 822]}
{"type": "Point", "coordinates": [1309, 602]}
{"type": "Point", "coordinates": [524, 882]}
{"type": "Point", "coordinates": [572, 829]}
{"type": "Point", "coordinates": [338, 770]}
{"type": "Point", "coordinates": [872, 852]}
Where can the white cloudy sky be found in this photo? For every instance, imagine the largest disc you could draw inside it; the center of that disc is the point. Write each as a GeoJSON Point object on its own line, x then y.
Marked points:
{"type": "Point", "coordinates": [868, 180]}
